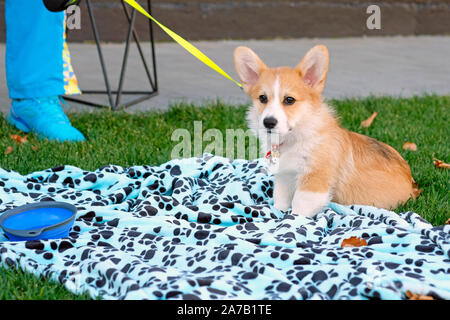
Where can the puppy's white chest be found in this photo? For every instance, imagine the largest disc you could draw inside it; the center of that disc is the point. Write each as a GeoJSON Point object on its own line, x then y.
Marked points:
{"type": "Point", "coordinates": [287, 161]}
{"type": "Point", "coordinates": [292, 161]}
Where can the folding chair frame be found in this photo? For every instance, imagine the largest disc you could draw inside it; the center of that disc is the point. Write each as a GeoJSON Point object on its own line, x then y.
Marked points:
{"type": "Point", "coordinates": [115, 104]}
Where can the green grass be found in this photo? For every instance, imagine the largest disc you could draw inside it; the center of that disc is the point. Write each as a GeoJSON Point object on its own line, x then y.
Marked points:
{"type": "Point", "coordinates": [145, 138]}
{"type": "Point", "coordinates": [16, 284]}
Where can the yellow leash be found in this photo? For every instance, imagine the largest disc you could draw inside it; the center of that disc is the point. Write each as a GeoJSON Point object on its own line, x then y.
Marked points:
{"type": "Point", "coordinates": [185, 44]}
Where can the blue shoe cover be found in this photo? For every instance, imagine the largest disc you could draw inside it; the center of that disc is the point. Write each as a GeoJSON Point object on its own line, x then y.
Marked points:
{"type": "Point", "coordinates": [44, 117]}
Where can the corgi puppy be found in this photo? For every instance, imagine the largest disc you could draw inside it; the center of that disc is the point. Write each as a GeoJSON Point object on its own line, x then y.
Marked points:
{"type": "Point", "coordinates": [317, 160]}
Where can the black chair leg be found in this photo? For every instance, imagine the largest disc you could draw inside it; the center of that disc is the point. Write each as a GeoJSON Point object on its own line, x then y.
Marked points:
{"type": "Point", "coordinates": [132, 33]}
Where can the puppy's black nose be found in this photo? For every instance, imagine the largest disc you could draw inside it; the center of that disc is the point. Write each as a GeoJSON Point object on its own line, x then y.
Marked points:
{"type": "Point", "coordinates": [270, 122]}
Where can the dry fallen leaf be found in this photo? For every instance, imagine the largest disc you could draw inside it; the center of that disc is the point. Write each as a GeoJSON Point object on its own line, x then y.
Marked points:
{"type": "Point", "coordinates": [410, 146]}
{"type": "Point", "coordinates": [440, 164]}
{"type": "Point", "coordinates": [414, 296]}
{"type": "Point", "coordinates": [366, 123]}
{"type": "Point", "coordinates": [19, 139]}
{"type": "Point", "coordinates": [448, 221]}
{"type": "Point", "coordinates": [8, 150]}
{"type": "Point", "coordinates": [353, 242]}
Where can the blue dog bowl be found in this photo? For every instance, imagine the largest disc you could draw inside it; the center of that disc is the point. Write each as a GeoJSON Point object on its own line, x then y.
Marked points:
{"type": "Point", "coordinates": [38, 221]}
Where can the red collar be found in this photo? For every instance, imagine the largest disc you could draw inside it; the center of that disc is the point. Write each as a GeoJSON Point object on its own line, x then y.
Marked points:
{"type": "Point", "coordinates": [274, 148]}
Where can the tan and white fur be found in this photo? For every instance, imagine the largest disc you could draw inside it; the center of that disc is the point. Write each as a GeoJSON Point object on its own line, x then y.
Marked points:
{"type": "Point", "coordinates": [319, 160]}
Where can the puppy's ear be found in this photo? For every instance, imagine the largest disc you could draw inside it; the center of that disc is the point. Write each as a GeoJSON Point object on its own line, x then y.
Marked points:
{"type": "Point", "coordinates": [248, 66]}
{"type": "Point", "coordinates": [314, 67]}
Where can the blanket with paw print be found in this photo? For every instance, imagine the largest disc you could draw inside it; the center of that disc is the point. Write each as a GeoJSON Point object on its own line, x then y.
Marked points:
{"type": "Point", "coordinates": [206, 228]}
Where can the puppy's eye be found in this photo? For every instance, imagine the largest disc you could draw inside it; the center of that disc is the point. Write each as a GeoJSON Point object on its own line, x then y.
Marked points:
{"type": "Point", "coordinates": [263, 98]}
{"type": "Point", "coordinates": [289, 101]}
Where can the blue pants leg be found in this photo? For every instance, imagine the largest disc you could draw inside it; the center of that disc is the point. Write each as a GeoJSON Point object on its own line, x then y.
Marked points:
{"type": "Point", "coordinates": [36, 53]}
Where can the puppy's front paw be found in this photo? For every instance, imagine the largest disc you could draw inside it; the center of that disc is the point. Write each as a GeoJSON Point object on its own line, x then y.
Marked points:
{"type": "Point", "coordinates": [281, 198]}
{"type": "Point", "coordinates": [308, 204]}
{"type": "Point", "coordinates": [281, 205]}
